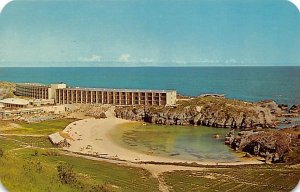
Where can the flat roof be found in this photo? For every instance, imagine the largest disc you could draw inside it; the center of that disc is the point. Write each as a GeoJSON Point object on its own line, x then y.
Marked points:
{"type": "Point", "coordinates": [33, 84]}
{"type": "Point", "coordinates": [15, 101]}
{"type": "Point", "coordinates": [119, 90]}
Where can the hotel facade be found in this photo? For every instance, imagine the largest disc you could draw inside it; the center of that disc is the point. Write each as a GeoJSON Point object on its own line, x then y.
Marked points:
{"type": "Point", "coordinates": [63, 95]}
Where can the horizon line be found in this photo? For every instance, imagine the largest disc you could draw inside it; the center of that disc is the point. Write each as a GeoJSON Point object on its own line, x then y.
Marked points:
{"type": "Point", "coordinates": [149, 66]}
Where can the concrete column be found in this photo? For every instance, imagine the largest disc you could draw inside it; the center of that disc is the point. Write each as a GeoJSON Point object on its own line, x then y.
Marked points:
{"type": "Point", "coordinates": [114, 97]}
{"type": "Point", "coordinates": [92, 96]}
{"type": "Point", "coordinates": [102, 97]}
{"type": "Point", "coordinates": [67, 101]}
{"type": "Point", "coordinates": [63, 100]}
{"type": "Point", "coordinates": [60, 92]}
{"type": "Point", "coordinates": [76, 96]}
{"type": "Point", "coordinates": [81, 96]}
{"type": "Point", "coordinates": [107, 97]}
{"type": "Point", "coordinates": [152, 98]}
{"type": "Point", "coordinates": [86, 97]}
{"type": "Point", "coordinates": [159, 95]}
{"type": "Point", "coordinates": [72, 96]}
{"type": "Point", "coordinates": [97, 96]}
{"type": "Point", "coordinates": [57, 95]}
{"type": "Point", "coordinates": [91, 93]}
{"type": "Point", "coordinates": [132, 100]}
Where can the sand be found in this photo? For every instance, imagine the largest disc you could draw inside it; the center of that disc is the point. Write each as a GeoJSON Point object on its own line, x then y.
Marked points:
{"type": "Point", "coordinates": [91, 136]}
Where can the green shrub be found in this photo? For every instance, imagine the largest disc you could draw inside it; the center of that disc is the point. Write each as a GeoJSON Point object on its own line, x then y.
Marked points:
{"type": "Point", "coordinates": [52, 152]}
{"type": "Point", "coordinates": [35, 153]}
{"type": "Point", "coordinates": [1, 152]}
{"type": "Point", "coordinates": [102, 188]}
{"type": "Point", "coordinates": [38, 166]}
{"type": "Point", "coordinates": [66, 174]}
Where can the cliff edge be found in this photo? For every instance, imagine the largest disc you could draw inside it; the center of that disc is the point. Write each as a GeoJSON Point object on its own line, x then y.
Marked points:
{"type": "Point", "coordinates": [209, 111]}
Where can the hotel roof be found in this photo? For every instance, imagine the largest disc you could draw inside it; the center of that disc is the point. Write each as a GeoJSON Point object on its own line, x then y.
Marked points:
{"type": "Point", "coordinates": [33, 84]}
{"type": "Point", "coordinates": [119, 90]}
{"type": "Point", "coordinates": [15, 101]}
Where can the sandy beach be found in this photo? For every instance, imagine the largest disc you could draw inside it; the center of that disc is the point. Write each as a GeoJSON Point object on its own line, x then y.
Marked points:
{"type": "Point", "coordinates": [91, 136]}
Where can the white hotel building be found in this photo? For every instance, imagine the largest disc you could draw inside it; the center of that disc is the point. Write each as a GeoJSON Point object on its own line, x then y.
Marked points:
{"type": "Point", "coordinates": [65, 95]}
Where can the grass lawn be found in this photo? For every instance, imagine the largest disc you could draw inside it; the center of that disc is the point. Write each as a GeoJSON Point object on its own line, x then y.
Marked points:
{"type": "Point", "coordinates": [27, 169]}
{"type": "Point", "coordinates": [20, 171]}
{"type": "Point", "coordinates": [6, 144]}
{"type": "Point", "coordinates": [243, 178]}
{"type": "Point", "coordinates": [42, 141]}
{"type": "Point", "coordinates": [41, 128]}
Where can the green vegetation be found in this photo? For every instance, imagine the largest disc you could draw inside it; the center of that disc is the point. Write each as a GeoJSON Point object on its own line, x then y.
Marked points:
{"type": "Point", "coordinates": [209, 101]}
{"type": "Point", "coordinates": [37, 170]}
{"type": "Point", "coordinates": [244, 178]}
{"type": "Point", "coordinates": [29, 163]}
{"type": "Point", "coordinates": [7, 144]}
{"type": "Point", "coordinates": [41, 141]}
{"type": "Point", "coordinates": [220, 104]}
{"type": "Point", "coordinates": [215, 100]}
{"type": "Point", "coordinates": [293, 156]}
{"type": "Point", "coordinates": [40, 128]}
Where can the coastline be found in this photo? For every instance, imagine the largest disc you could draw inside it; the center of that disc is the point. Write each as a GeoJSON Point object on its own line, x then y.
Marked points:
{"type": "Point", "coordinates": [91, 137]}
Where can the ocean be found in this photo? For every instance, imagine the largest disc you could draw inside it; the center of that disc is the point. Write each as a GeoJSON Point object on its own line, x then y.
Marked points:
{"type": "Point", "coordinates": [281, 84]}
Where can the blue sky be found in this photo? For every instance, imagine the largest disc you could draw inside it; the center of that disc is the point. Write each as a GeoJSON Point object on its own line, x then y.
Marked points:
{"type": "Point", "coordinates": [149, 33]}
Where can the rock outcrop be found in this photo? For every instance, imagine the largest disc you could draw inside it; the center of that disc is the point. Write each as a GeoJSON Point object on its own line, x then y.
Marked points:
{"type": "Point", "coordinates": [208, 111]}
{"type": "Point", "coordinates": [58, 140]}
{"type": "Point", "coordinates": [272, 105]}
{"type": "Point", "coordinates": [284, 107]}
{"type": "Point", "coordinates": [97, 111]}
{"type": "Point", "coordinates": [295, 109]}
{"type": "Point", "coordinates": [275, 145]}
{"type": "Point", "coordinates": [7, 89]}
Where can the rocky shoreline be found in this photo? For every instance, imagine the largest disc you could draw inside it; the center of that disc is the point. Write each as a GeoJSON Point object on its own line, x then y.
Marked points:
{"type": "Point", "coordinates": [208, 111]}
{"type": "Point", "coordinates": [275, 146]}
{"type": "Point", "coordinates": [219, 112]}
{"type": "Point", "coordinates": [256, 123]}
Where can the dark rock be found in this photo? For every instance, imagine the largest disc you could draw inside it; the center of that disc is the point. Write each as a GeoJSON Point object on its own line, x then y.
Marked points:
{"type": "Point", "coordinates": [214, 112]}
{"type": "Point", "coordinates": [272, 105]}
{"type": "Point", "coordinates": [272, 145]}
{"type": "Point", "coordinates": [268, 158]}
{"type": "Point", "coordinates": [283, 107]}
{"type": "Point", "coordinates": [295, 109]}
{"type": "Point", "coordinates": [101, 116]}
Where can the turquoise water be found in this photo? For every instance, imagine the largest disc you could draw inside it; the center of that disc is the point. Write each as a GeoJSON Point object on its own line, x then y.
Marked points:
{"type": "Point", "coordinates": [179, 142]}
{"type": "Point", "coordinates": [248, 83]}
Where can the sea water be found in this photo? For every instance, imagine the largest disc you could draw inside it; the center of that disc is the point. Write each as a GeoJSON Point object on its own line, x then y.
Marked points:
{"type": "Point", "coordinates": [281, 84]}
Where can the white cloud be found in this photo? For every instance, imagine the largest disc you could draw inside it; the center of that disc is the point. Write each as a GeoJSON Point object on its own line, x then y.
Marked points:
{"type": "Point", "coordinates": [208, 61]}
{"type": "Point", "coordinates": [146, 60]}
{"type": "Point", "coordinates": [93, 58]}
{"type": "Point", "coordinates": [231, 61]}
{"type": "Point", "coordinates": [124, 57]}
{"type": "Point", "coordinates": [179, 61]}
